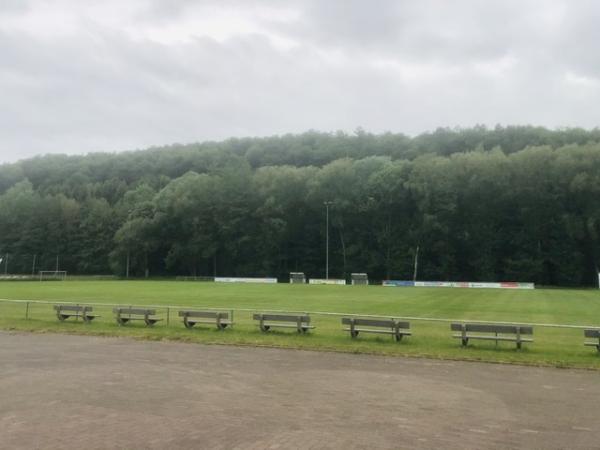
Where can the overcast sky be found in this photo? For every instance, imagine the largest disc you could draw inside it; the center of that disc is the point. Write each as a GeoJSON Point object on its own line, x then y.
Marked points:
{"type": "Point", "coordinates": [86, 75]}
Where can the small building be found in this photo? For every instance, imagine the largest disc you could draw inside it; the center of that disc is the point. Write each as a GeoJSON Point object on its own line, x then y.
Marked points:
{"type": "Point", "coordinates": [297, 278]}
{"type": "Point", "coordinates": [360, 279]}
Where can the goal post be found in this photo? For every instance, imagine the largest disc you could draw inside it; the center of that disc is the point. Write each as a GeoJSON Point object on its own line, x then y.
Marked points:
{"type": "Point", "coordinates": [359, 279]}
{"type": "Point", "coordinates": [53, 275]}
{"type": "Point", "coordinates": [297, 278]}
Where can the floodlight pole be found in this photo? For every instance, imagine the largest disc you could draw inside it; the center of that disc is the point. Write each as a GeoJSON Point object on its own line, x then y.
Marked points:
{"type": "Point", "coordinates": [327, 205]}
{"type": "Point", "coordinates": [416, 264]}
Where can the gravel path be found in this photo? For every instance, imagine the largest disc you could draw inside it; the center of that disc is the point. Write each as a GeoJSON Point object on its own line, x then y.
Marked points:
{"type": "Point", "coordinates": [59, 391]}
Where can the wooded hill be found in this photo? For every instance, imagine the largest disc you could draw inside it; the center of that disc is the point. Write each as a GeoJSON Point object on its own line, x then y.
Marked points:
{"type": "Point", "coordinates": [510, 203]}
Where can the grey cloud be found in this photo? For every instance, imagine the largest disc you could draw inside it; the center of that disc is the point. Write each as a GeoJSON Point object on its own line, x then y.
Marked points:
{"type": "Point", "coordinates": [105, 90]}
{"type": "Point", "coordinates": [12, 6]}
{"type": "Point", "coordinates": [416, 30]}
{"type": "Point", "coordinates": [164, 11]}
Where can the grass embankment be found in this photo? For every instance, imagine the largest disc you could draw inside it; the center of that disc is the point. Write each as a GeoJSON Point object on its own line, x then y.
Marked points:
{"type": "Point", "coordinates": [553, 346]}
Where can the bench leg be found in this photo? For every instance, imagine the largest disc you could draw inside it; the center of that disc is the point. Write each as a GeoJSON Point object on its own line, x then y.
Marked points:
{"type": "Point", "coordinates": [188, 324]}
{"type": "Point", "coordinates": [518, 345]}
{"type": "Point", "coordinates": [398, 337]}
{"type": "Point", "coordinates": [465, 339]}
{"type": "Point", "coordinates": [353, 332]}
{"type": "Point", "coordinates": [262, 325]}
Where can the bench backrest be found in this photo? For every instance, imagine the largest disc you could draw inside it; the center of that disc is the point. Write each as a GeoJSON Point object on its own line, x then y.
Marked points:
{"type": "Point", "coordinates": [592, 333]}
{"type": "Point", "coordinates": [492, 328]}
{"type": "Point", "coordinates": [76, 308]}
{"type": "Point", "coordinates": [135, 311]}
{"type": "Point", "coordinates": [385, 323]}
{"type": "Point", "coordinates": [205, 314]}
{"type": "Point", "coordinates": [283, 317]}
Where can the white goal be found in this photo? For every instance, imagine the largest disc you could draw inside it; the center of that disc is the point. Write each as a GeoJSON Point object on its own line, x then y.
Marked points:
{"type": "Point", "coordinates": [51, 275]}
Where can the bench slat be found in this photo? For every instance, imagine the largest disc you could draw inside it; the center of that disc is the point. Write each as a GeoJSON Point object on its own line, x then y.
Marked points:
{"type": "Point", "coordinates": [592, 333]}
{"type": "Point", "coordinates": [137, 311]}
{"type": "Point", "coordinates": [492, 328]}
{"type": "Point", "coordinates": [204, 314]}
{"type": "Point", "coordinates": [282, 318]}
{"type": "Point", "coordinates": [72, 308]}
{"type": "Point", "coordinates": [389, 323]}
{"type": "Point", "coordinates": [369, 330]}
{"type": "Point", "coordinates": [492, 338]}
{"type": "Point", "coordinates": [201, 320]}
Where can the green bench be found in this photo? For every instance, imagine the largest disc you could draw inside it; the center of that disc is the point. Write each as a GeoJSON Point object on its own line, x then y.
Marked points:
{"type": "Point", "coordinates": [64, 312]}
{"type": "Point", "coordinates": [492, 332]}
{"type": "Point", "coordinates": [397, 329]}
{"type": "Point", "coordinates": [124, 315]}
{"type": "Point", "coordinates": [219, 318]}
{"type": "Point", "coordinates": [592, 333]}
{"type": "Point", "coordinates": [301, 322]}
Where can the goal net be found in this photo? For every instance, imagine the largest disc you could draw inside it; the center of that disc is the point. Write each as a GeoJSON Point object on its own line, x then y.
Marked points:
{"type": "Point", "coordinates": [360, 279]}
{"type": "Point", "coordinates": [53, 275]}
{"type": "Point", "coordinates": [297, 278]}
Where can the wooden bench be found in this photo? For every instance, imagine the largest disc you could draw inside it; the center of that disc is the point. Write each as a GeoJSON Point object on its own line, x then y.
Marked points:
{"type": "Point", "coordinates": [64, 312]}
{"type": "Point", "coordinates": [220, 319]}
{"type": "Point", "coordinates": [492, 332]}
{"type": "Point", "coordinates": [592, 333]}
{"type": "Point", "coordinates": [395, 328]}
{"type": "Point", "coordinates": [300, 321]}
{"type": "Point", "coordinates": [124, 315]}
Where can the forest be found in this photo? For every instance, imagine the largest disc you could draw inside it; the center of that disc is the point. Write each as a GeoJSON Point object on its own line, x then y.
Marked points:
{"type": "Point", "coordinates": [515, 203]}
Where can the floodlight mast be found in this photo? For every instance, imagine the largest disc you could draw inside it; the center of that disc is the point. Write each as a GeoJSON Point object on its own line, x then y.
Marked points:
{"type": "Point", "coordinates": [327, 205]}
{"type": "Point", "coordinates": [416, 264]}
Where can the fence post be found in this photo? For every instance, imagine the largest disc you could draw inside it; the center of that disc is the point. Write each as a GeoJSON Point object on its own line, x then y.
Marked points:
{"type": "Point", "coordinates": [231, 318]}
{"type": "Point", "coordinates": [27, 311]}
{"type": "Point", "coordinates": [168, 309]}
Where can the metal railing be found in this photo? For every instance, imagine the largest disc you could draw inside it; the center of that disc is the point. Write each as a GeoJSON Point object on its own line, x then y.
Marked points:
{"type": "Point", "coordinates": [168, 308]}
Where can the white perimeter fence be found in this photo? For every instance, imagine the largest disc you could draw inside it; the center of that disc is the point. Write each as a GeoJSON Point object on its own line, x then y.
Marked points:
{"type": "Point", "coordinates": [170, 311]}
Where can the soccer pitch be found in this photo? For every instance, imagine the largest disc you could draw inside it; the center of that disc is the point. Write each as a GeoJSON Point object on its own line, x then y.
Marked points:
{"type": "Point", "coordinates": [558, 346]}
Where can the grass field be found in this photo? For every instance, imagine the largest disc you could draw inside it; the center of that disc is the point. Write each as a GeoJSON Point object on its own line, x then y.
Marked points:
{"type": "Point", "coordinates": [553, 345]}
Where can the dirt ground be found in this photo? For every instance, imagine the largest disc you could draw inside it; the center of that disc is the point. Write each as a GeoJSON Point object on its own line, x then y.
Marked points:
{"type": "Point", "coordinates": [60, 391]}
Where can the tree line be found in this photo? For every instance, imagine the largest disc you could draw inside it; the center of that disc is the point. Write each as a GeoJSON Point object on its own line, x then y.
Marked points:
{"type": "Point", "coordinates": [509, 203]}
